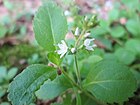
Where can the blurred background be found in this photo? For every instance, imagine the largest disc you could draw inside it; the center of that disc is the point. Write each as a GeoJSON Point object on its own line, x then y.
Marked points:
{"type": "Point", "coordinates": [117, 36]}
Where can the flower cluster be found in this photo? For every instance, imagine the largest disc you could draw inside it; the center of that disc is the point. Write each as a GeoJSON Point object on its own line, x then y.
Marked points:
{"type": "Point", "coordinates": [88, 42]}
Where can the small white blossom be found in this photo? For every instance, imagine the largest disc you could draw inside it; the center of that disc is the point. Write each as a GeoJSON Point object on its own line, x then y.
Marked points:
{"type": "Point", "coordinates": [86, 18]}
{"type": "Point", "coordinates": [73, 50]}
{"type": "Point", "coordinates": [88, 44]}
{"type": "Point", "coordinates": [86, 35]}
{"type": "Point", "coordinates": [67, 13]}
{"type": "Point", "coordinates": [63, 48]}
{"type": "Point", "coordinates": [77, 32]}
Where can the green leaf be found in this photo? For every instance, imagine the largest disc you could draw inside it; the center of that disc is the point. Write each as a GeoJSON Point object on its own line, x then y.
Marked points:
{"type": "Point", "coordinates": [78, 99]}
{"type": "Point", "coordinates": [107, 43]}
{"type": "Point", "coordinates": [110, 82]}
{"type": "Point", "coordinates": [8, 4]}
{"type": "Point", "coordinates": [54, 58]}
{"type": "Point", "coordinates": [5, 103]}
{"type": "Point", "coordinates": [137, 76]}
{"type": "Point", "coordinates": [52, 89]}
{"type": "Point", "coordinates": [133, 27]}
{"type": "Point", "coordinates": [22, 89]}
{"type": "Point", "coordinates": [131, 4]}
{"type": "Point", "coordinates": [98, 31]}
{"type": "Point", "coordinates": [12, 72]}
{"type": "Point", "coordinates": [117, 31]}
{"type": "Point", "coordinates": [133, 45]}
{"type": "Point", "coordinates": [113, 15]}
{"type": "Point", "coordinates": [87, 101]}
{"type": "Point", "coordinates": [3, 31]}
{"type": "Point", "coordinates": [3, 73]}
{"type": "Point", "coordinates": [87, 63]}
{"type": "Point", "coordinates": [2, 92]}
{"type": "Point", "coordinates": [50, 26]}
{"type": "Point", "coordinates": [125, 56]}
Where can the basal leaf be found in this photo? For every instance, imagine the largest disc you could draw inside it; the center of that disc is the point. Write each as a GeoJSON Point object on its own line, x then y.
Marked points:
{"type": "Point", "coordinates": [22, 89]}
{"type": "Point", "coordinates": [50, 26]}
{"type": "Point", "coordinates": [110, 81]}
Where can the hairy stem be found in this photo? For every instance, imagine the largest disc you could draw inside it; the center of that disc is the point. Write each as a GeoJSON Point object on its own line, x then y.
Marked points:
{"type": "Point", "coordinates": [77, 71]}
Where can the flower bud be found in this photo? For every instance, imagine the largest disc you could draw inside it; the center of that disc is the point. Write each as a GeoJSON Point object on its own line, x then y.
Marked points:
{"type": "Point", "coordinates": [73, 50]}
{"type": "Point", "coordinates": [87, 35]}
{"type": "Point", "coordinates": [86, 18]}
{"type": "Point", "coordinates": [77, 31]}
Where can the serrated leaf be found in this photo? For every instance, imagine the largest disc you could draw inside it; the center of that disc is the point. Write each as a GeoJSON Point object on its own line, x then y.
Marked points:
{"type": "Point", "coordinates": [50, 26]}
{"type": "Point", "coordinates": [52, 89]}
{"type": "Point", "coordinates": [110, 81]}
{"type": "Point", "coordinates": [22, 89]}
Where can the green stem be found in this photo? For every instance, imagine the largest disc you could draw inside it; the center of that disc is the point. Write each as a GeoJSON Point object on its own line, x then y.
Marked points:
{"type": "Point", "coordinates": [85, 92]}
{"type": "Point", "coordinates": [75, 58]}
{"type": "Point", "coordinates": [77, 71]}
{"type": "Point", "coordinates": [93, 98]}
{"type": "Point", "coordinates": [69, 78]}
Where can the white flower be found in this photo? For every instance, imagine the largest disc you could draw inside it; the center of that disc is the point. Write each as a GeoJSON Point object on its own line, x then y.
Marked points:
{"type": "Point", "coordinates": [86, 18]}
{"type": "Point", "coordinates": [67, 13]}
{"type": "Point", "coordinates": [63, 48]}
{"type": "Point", "coordinates": [77, 32]}
{"type": "Point", "coordinates": [73, 50]}
{"type": "Point", "coordinates": [88, 44]}
{"type": "Point", "coordinates": [87, 34]}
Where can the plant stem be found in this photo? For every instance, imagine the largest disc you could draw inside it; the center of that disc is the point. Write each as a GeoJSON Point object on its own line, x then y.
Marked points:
{"type": "Point", "coordinates": [77, 71]}
{"type": "Point", "coordinates": [79, 38]}
{"type": "Point", "coordinates": [85, 92]}
{"type": "Point", "coordinates": [69, 78]}
{"type": "Point", "coordinates": [93, 98]}
{"type": "Point", "coordinates": [75, 58]}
